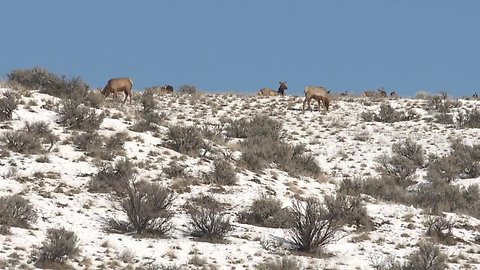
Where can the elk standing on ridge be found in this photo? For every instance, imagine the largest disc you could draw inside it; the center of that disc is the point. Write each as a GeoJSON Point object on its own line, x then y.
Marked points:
{"type": "Point", "coordinates": [319, 93]}
{"type": "Point", "coordinates": [119, 85]}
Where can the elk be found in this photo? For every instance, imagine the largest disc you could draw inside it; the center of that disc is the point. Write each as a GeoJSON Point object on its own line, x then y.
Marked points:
{"type": "Point", "coordinates": [161, 90]}
{"type": "Point", "coordinates": [372, 94]}
{"type": "Point", "coordinates": [269, 92]}
{"type": "Point", "coordinates": [119, 85]}
{"type": "Point", "coordinates": [319, 93]}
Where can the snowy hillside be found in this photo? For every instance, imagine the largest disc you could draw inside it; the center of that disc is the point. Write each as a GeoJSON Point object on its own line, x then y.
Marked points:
{"type": "Point", "coordinates": [347, 143]}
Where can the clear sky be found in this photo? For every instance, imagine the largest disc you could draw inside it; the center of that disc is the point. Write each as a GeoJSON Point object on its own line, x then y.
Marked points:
{"type": "Point", "coordinates": [244, 45]}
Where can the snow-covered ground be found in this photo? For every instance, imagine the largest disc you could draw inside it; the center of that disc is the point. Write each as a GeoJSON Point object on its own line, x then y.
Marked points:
{"type": "Point", "coordinates": [61, 199]}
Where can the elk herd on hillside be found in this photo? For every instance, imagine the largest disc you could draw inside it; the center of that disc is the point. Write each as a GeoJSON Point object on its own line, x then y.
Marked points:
{"type": "Point", "coordinates": [318, 93]}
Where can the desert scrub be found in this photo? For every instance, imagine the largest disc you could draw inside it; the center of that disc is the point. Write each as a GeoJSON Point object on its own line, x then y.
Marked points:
{"type": "Point", "coordinates": [147, 207]}
{"type": "Point", "coordinates": [223, 173]}
{"type": "Point", "coordinates": [112, 178]}
{"type": "Point", "coordinates": [267, 212]}
{"type": "Point", "coordinates": [185, 140]}
{"type": "Point", "coordinates": [59, 245]}
{"type": "Point", "coordinates": [8, 103]}
{"type": "Point", "coordinates": [15, 211]}
{"type": "Point", "coordinates": [207, 219]}
{"type": "Point", "coordinates": [38, 78]}
{"type": "Point", "coordinates": [75, 115]}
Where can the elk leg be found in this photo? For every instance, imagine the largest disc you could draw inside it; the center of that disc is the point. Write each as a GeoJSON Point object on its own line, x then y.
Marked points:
{"type": "Point", "coordinates": [318, 100]}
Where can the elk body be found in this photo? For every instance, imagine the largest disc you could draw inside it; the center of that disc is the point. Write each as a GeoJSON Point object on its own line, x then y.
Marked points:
{"type": "Point", "coordinates": [316, 92]}
{"type": "Point", "coordinates": [161, 90]}
{"type": "Point", "coordinates": [374, 94]}
{"type": "Point", "coordinates": [269, 92]}
{"type": "Point", "coordinates": [119, 85]}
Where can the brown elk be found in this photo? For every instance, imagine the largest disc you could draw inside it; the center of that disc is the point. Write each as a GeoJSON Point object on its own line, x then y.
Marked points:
{"type": "Point", "coordinates": [373, 94]}
{"type": "Point", "coordinates": [319, 93]}
{"type": "Point", "coordinates": [269, 92]}
{"type": "Point", "coordinates": [119, 85]}
{"type": "Point", "coordinates": [161, 90]}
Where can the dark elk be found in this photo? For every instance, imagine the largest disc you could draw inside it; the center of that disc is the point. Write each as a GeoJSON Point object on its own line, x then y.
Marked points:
{"type": "Point", "coordinates": [119, 85]}
{"type": "Point", "coordinates": [319, 93]}
{"type": "Point", "coordinates": [269, 92]}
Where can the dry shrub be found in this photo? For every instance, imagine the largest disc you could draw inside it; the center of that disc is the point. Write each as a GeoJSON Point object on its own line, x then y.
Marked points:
{"type": "Point", "coordinates": [15, 211]}
{"type": "Point", "coordinates": [258, 126]}
{"type": "Point", "coordinates": [97, 146]}
{"type": "Point", "coordinates": [462, 162]}
{"type": "Point", "coordinates": [173, 170]}
{"type": "Point", "coordinates": [73, 114]}
{"type": "Point", "coordinates": [57, 247]}
{"type": "Point", "coordinates": [207, 219]}
{"type": "Point", "coordinates": [388, 114]}
{"type": "Point", "coordinates": [349, 210]}
{"type": "Point", "coordinates": [112, 178]}
{"type": "Point", "coordinates": [428, 257]}
{"type": "Point", "coordinates": [30, 139]}
{"type": "Point", "coordinates": [440, 228]}
{"type": "Point", "coordinates": [313, 226]}
{"type": "Point", "coordinates": [49, 83]}
{"type": "Point", "coordinates": [185, 140]}
{"type": "Point", "coordinates": [267, 212]}
{"type": "Point", "coordinates": [149, 114]}
{"type": "Point", "coordinates": [8, 103]}
{"type": "Point", "coordinates": [147, 207]}
{"type": "Point", "coordinates": [223, 173]}
{"type": "Point", "coordinates": [469, 119]}
{"type": "Point", "coordinates": [284, 263]}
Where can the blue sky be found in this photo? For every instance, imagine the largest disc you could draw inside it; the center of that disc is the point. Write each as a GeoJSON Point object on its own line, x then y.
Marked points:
{"type": "Point", "coordinates": [244, 45]}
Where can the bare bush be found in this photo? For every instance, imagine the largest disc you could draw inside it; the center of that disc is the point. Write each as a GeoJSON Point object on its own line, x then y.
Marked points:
{"type": "Point", "coordinates": [207, 220]}
{"type": "Point", "coordinates": [427, 257]}
{"type": "Point", "coordinates": [15, 211]}
{"type": "Point", "coordinates": [388, 114]}
{"type": "Point", "coordinates": [462, 162]}
{"type": "Point", "coordinates": [444, 118]}
{"type": "Point", "coordinates": [112, 178]}
{"type": "Point", "coordinates": [185, 140]}
{"type": "Point", "coordinates": [258, 126]}
{"type": "Point", "coordinates": [313, 226]}
{"type": "Point", "coordinates": [440, 228]}
{"type": "Point", "coordinates": [470, 119]}
{"type": "Point", "coordinates": [149, 113]}
{"type": "Point", "coordinates": [8, 103]}
{"type": "Point", "coordinates": [410, 150]}
{"type": "Point", "coordinates": [188, 89]}
{"type": "Point", "coordinates": [22, 142]}
{"type": "Point", "coordinates": [284, 263]}
{"type": "Point", "coordinates": [58, 246]}
{"type": "Point", "coordinates": [349, 210]}
{"type": "Point", "coordinates": [75, 115]}
{"type": "Point", "coordinates": [30, 139]}
{"type": "Point", "coordinates": [147, 206]}
{"type": "Point", "coordinates": [49, 83]}
{"type": "Point", "coordinates": [173, 170]}
{"type": "Point", "coordinates": [267, 212]}
{"type": "Point", "coordinates": [223, 173]}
